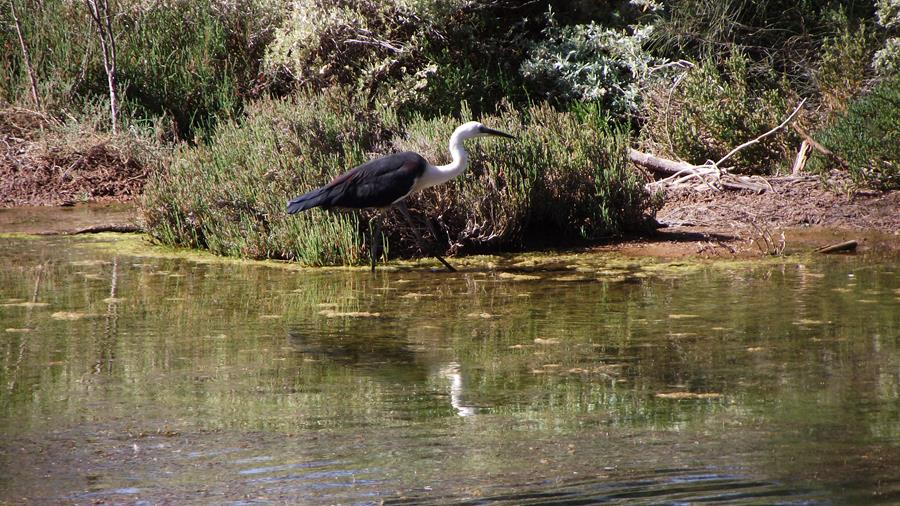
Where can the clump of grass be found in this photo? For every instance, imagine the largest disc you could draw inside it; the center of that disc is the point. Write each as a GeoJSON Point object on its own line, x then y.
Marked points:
{"type": "Point", "coordinates": [228, 195]}
{"type": "Point", "coordinates": [187, 61]}
{"type": "Point", "coordinates": [566, 180]}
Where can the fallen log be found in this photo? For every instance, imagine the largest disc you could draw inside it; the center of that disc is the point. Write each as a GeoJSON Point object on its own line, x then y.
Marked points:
{"type": "Point", "coordinates": [122, 228]}
{"type": "Point", "coordinates": [660, 165]}
{"type": "Point", "coordinates": [841, 247]}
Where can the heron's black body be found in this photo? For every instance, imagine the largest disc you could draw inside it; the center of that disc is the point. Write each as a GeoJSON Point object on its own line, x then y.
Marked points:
{"type": "Point", "coordinates": [376, 183]}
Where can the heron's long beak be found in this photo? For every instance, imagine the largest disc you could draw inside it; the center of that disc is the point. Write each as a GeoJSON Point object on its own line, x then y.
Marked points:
{"type": "Point", "coordinates": [491, 131]}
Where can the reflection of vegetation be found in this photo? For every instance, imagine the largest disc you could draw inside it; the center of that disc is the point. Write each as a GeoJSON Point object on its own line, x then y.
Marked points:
{"type": "Point", "coordinates": [245, 346]}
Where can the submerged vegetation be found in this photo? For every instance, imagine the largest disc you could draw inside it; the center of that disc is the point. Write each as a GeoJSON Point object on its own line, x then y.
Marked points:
{"type": "Point", "coordinates": [238, 106]}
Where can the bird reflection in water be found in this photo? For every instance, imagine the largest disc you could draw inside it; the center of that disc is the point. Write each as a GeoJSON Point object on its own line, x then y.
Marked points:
{"type": "Point", "coordinates": [451, 372]}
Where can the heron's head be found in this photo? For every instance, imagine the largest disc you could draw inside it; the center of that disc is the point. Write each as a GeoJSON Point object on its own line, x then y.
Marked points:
{"type": "Point", "coordinates": [476, 129]}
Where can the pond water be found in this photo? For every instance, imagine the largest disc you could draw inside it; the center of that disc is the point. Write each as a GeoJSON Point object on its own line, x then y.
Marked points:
{"type": "Point", "coordinates": [137, 378]}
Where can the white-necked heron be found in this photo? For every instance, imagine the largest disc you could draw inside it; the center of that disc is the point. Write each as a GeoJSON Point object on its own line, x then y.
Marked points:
{"type": "Point", "coordinates": [386, 181]}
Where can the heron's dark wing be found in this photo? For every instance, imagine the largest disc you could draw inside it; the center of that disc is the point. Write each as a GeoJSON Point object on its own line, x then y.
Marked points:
{"type": "Point", "coordinates": [376, 183]}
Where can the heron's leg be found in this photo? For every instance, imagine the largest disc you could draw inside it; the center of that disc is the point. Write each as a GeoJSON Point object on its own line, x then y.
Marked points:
{"type": "Point", "coordinates": [376, 238]}
{"type": "Point", "coordinates": [405, 212]}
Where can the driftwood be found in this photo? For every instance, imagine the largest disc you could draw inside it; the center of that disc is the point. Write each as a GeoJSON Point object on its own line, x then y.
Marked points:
{"type": "Point", "coordinates": [682, 169]}
{"type": "Point", "coordinates": [841, 247]}
{"type": "Point", "coordinates": [820, 148]}
{"type": "Point", "coordinates": [713, 173]}
{"type": "Point", "coordinates": [123, 228]}
{"type": "Point", "coordinates": [802, 157]}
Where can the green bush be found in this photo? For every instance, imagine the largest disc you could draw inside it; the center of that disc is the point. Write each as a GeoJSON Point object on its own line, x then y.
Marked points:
{"type": "Point", "coordinates": [844, 66]}
{"type": "Point", "coordinates": [566, 179]}
{"type": "Point", "coordinates": [416, 56]}
{"type": "Point", "coordinates": [715, 110]}
{"type": "Point", "coordinates": [867, 137]}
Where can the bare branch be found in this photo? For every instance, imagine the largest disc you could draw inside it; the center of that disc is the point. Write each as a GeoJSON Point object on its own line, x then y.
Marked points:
{"type": "Point", "coordinates": [26, 56]}
{"type": "Point", "coordinates": [763, 136]}
{"type": "Point", "coordinates": [102, 17]}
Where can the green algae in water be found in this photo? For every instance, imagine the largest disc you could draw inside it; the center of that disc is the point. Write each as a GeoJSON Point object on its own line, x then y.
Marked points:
{"type": "Point", "coordinates": [257, 380]}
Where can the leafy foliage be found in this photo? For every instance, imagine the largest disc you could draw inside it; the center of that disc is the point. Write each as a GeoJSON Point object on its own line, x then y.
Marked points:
{"type": "Point", "coordinates": [867, 136]}
{"type": "Point", "coordinates": [590, 62]}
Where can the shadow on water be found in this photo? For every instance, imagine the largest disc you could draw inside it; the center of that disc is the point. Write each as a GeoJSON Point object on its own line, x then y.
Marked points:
{"type": "Point", "coordinates": [577, 380]}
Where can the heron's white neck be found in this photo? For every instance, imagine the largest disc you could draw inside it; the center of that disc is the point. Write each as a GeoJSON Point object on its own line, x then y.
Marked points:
{"type": "Point", "coordinates": [459, 154]}
{"type": "Point", "coordinates": [435, 175]}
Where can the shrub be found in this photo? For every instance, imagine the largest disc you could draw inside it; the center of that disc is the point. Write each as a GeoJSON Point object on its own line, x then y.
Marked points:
{"type": "Point", "coordinates": [867, 137]}
{"type": "Point", "coordinates": [715, 110]}
{"type": "Point", "coordinates": [844, 66]}
{"type": "Point", "coordinates": [590, 62]}
{"type": "Point", "coordinates": [887, 59]}
{"type": "Point", "coordinates": [411, 55]}
{"type": "Point", "coordinates": [566, 180]}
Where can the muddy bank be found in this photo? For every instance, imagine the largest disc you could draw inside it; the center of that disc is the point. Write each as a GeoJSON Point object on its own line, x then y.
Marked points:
{"type": "Point", "coordinates": [739, 241]}
{"type": "Point", "coordinates": [790, 203]}
{"type": "Point", "coordinates": [43, 220]}
{"type": "Point", "coordinates": [46, 163]}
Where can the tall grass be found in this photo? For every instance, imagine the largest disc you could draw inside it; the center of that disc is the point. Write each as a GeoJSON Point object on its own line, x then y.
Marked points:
{"type": "Point", "coordinates": [565, 180]}
{"type": "Point", "coordinates": [188, 62]}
